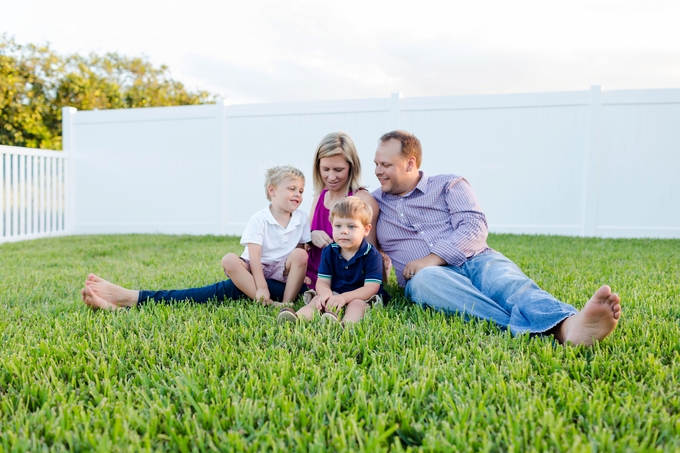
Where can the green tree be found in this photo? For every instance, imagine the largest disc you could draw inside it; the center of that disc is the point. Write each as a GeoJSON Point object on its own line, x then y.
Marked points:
{"type": "Point", "coordinates": [36, 82]}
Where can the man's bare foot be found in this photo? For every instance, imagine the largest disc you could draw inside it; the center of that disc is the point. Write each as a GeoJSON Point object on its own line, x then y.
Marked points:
{"type": "Point", "coordinates": [113, 294]}
{"type": "Point", "coordinates": [95, 302]}
{"type": "Point", "coordinates": [597, 319]}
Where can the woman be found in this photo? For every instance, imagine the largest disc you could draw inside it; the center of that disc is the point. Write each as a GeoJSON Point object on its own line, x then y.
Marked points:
{"type": "Point", "coordinates": [337, 173]}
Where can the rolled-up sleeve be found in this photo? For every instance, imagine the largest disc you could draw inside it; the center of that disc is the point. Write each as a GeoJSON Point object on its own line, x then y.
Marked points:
{"type": "Point", "coordinates": [469, 228]}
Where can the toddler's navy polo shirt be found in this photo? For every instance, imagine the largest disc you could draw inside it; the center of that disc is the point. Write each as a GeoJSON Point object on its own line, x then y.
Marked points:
{"type": "Point", "coordinates": [366, 266]}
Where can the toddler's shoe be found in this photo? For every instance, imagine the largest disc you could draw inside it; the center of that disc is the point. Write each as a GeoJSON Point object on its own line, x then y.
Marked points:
{"type": "Point", "coordinates": [330, 318]}
{"type": "Point", "coordinates": [287, 315]}
{"type": "Point", "coordinates": [308, 296]}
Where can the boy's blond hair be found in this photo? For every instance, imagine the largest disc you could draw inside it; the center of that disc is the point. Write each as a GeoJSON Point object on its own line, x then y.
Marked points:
{"type": "Point", "coordinates": [275, 175]}
{"type": "Point", "coordinates": [352, 208]}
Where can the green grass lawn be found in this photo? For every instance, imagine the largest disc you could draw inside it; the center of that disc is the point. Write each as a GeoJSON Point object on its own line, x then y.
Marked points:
{"type": "Point", "coordinates": [225, 376]}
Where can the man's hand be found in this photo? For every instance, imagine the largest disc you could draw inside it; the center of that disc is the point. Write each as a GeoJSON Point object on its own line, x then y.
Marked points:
{"type": "Point", "coordinates": [412, 267]}
{"type": "Point", "coordinates": [321, 239]}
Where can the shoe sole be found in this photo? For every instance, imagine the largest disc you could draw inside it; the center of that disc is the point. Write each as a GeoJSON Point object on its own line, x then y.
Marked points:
{"type": "Point", "coordinates": [330, 318]}
{"type": "Point", "coordinates": [286, 316]}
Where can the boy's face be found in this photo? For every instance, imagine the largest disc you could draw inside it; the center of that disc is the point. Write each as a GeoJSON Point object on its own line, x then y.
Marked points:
{"type": "Point", "coordinates": [287, 195]}
{"type": "Point", "coordinates": [349, 233]}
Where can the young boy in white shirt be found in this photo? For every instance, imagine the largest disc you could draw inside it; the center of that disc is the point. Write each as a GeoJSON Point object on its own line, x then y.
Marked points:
{"type": "Point", "coordinates": [274, 239]}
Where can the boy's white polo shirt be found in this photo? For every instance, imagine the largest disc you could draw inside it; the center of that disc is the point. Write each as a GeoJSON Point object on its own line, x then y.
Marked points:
{"type": "Point", "coordinates": [277, 242]}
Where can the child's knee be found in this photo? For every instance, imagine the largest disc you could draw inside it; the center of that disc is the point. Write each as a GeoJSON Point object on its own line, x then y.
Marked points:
{"type": "Point", "coordinates": [229, 261]}
{"type": "Point", "coordinates": [298, 258]}
{"type": "Point", "coordinates": [358, 304]}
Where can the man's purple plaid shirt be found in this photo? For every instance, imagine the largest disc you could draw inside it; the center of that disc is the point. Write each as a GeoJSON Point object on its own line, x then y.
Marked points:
{"type": "Point", "coordinates": [441, 216]}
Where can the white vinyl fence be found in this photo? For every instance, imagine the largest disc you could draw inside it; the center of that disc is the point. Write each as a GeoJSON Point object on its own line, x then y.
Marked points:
{"type": "Point", "coordinates": [33, 185]}
{"type": "Point", "coordinates": [586, 163]}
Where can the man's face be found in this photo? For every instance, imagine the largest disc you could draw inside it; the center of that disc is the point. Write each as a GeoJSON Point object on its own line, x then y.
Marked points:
{"type": "Point", "coordinates": [397, 174]}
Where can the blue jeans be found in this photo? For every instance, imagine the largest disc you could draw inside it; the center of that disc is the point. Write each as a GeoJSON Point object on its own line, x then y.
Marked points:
{"type": "Point", "coordinates": [219, 291]}
{"type": "Point", "coordinates": [490, 287]}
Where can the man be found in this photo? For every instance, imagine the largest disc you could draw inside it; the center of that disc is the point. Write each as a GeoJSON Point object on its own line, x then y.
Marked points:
{"type": "Point", "coordinates": [434, 231]}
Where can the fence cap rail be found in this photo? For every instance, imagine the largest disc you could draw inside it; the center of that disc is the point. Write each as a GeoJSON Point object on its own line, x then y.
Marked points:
{"type": "Point", "coordinates": [4, 149]}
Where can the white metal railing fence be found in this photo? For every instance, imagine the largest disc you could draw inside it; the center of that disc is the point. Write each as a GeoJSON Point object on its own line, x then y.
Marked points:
{"type": "Point", "coordinates": [33, 191]}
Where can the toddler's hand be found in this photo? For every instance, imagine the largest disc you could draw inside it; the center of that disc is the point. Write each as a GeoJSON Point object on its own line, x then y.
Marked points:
{"type": "Point", "coordinates": [335, 303]}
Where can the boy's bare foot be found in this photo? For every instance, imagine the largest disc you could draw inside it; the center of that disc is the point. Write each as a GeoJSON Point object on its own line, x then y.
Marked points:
{"type": "Point", "coordinates": [95, 302]}
{"type": "Point", "coordinates": [112, 294]}
{"type": "Point", "coordinates": [598, 319]}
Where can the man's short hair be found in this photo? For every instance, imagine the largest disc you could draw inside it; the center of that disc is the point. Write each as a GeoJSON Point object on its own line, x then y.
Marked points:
{"type": "Point", "coordinates": [352, 208]}
{"type": "Point", "coordinates": [275, 175]}
{"type": "Point", "coordinates": [410, 145]}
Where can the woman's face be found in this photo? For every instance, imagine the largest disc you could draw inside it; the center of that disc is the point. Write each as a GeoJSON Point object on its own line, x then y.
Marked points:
{"type": "Point", "coordinates": [334, 172]}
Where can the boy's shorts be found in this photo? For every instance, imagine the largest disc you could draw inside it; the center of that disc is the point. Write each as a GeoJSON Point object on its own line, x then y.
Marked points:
{"type": "Point", "coordinates": [375, 301]}
{"type": "Point", "coordinates": [272, 271]}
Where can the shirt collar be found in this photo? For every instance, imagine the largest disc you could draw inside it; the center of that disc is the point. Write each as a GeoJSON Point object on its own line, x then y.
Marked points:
{"type": "Point", "coordinates": [270, 218]}
{"type": "Point", "coordinates": [421, 186]}
{"type": "Point", "coordinates": [364, 248]}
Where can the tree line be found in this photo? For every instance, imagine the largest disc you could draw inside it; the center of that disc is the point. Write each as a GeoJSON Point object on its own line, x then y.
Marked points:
{"type": "Point", "coordinates": [36, 82]}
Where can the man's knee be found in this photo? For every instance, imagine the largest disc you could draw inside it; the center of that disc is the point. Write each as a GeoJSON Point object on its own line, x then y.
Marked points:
{"type": "Point", "coordinates": [422, 281]}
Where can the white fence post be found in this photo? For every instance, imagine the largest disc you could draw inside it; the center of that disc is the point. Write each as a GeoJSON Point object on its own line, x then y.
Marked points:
{"type": "Point", "coordinates": [395, 111]}
{"type": "Point", "coordinates": [591, 180]}
{"type": "Point", "coordinates": [222, 131]}
{"type": "Point", "coordinates": [68, 147]}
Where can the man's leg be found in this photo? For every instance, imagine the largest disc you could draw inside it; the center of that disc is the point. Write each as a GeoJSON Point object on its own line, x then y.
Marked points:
{"type": "Point", "coordinates": [531, 309]}
{"type": "Point", "coordinates": [534, 310]}
{"type": "Point", "coordinates": [446, 289]}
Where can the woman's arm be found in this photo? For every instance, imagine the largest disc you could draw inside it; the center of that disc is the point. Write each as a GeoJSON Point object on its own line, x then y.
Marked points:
{"type": "Point", "coordinates": [320, 238]}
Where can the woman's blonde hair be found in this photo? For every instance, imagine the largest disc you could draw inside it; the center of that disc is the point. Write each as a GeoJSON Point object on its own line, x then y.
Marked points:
{"type": "Point", "coordinates": [334, 144]}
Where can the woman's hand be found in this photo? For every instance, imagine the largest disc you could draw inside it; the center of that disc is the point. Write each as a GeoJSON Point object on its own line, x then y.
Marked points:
{"type": "Point", "coordinates": [321, 239]}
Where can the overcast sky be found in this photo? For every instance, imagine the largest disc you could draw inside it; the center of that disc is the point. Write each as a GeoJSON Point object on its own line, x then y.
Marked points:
{"type": "Point", "coordinates": [297, 50]}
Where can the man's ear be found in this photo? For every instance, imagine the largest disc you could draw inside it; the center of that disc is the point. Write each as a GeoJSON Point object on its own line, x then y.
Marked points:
{"type": "Point", "coordinates": [411, 163]}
